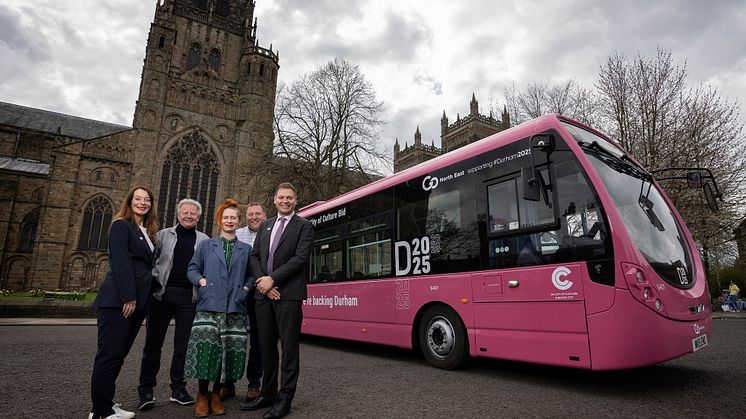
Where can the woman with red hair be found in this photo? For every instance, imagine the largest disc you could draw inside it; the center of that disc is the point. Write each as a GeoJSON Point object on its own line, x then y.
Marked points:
{"type": "Point", "coordinates": [217, 343]}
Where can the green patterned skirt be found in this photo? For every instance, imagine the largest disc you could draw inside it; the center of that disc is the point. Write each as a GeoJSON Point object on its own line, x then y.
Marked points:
{"type": "Point", "coordinates": [217, 344]}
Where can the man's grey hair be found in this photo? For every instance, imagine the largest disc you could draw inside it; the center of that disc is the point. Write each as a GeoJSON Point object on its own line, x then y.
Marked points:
{"type": "Point", "coordinates": [189, 201]}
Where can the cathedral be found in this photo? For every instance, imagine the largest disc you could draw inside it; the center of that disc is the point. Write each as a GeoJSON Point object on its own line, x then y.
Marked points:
{"type": "Point", "coordinates": [467, 130]}
{"type": "Point", "coordinates": [203, 118]}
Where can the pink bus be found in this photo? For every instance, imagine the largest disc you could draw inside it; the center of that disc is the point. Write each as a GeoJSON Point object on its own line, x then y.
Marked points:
{"type": "Point", "coordinates": [543, 243]}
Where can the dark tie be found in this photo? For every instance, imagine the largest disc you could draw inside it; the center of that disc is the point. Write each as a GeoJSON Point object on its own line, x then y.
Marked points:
{"type": "Point", "coordinates": [273, 245]}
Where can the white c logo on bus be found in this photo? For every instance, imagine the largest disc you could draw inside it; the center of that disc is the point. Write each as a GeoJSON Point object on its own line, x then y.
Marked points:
{"type": "Point", "coordinates": [429, 182]}
{"type": "Point", "coordinates": [558, 282]}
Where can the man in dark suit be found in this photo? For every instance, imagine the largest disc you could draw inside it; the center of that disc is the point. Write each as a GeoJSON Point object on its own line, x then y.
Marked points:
{"type": "Point", "coordinates": [280, 259]}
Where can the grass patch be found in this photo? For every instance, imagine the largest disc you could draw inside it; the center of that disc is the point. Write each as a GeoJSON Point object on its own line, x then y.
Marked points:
{"type": "Point", "coordinates": [38, 295]}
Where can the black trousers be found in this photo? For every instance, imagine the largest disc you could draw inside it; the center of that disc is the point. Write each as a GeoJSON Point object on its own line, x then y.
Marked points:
{"type": "Point", "coordinates": [176, 303]}
{"type": "Point", "coordinates": [115, 338]}
{"type": "Point", "coordinates": [280, 320]}
{"type": "Point", "coordinates": [254, 369]}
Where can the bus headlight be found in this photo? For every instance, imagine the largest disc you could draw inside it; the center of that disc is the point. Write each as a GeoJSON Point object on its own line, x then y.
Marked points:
{"type": "Point", "coordinates": [646, 293]}
{"type": "Point", "coordinates": [658, 304]}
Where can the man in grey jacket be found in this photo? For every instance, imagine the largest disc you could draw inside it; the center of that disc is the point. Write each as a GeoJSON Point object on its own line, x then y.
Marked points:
{"type": "Point", "coordinates": [174, 300]}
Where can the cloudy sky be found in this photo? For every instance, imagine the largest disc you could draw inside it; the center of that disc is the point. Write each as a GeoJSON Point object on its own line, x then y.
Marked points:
{"type": "Point", "coordinates": [84, 57]}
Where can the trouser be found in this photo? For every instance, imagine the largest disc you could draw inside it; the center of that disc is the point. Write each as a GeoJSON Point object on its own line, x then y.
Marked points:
{"type": "Point", "coordinates": [280, 320]}
{"type": "Point", "coordinates": [254, 368]}
{"type": "Point", "coordinates": [176, 303]}
{"type": "Point", "coordinates": [116, 335]}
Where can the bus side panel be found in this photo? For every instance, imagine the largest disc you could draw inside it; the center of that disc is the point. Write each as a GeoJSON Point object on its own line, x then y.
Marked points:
{"type": "Point", "coordinates": [378, 333]}
{"type": "Point", "coordinates": [320, 302]}
{"type": "Point", "coordinates": [631, 335]}
{"type": "Point", "coordinates": [359, 310]}
{"type": "Point", "coordinates": [534, 314]}
{"type": "Point", "coordinates": [534, 332]}
{"type": "Point", "coordinates": [367, 307]}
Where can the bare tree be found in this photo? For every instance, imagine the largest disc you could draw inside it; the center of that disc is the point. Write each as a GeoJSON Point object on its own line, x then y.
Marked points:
{"type": "Point", "coordinates": [568, 98]}
{"type": "Point", "coordinates": [647, 106]}
{"type": "Point", "coordinates": [327, 124]}
{"type": "Point", "coordinates": [664, 123]}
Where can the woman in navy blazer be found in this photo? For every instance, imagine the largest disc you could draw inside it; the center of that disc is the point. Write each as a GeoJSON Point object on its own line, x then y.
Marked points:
{"type": "Point", "coordinates": [217, 344]}
{"type": "Point", "coordinates": [123, 296]}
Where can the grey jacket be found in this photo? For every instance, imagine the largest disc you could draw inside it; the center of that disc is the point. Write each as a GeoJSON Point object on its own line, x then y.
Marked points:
{"type": "Point", "coordinates": [164, 254]}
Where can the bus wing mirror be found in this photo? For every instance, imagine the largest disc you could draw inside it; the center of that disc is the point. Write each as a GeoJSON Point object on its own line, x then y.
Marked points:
{"type": "Point", "coordinates": [694, 179]}
{"type": "Point", "coordinates": [531, 185]}
{"type": "Point", "coordinates": [543, 142]}
{"type": "Point", "coordinates": [710, 196]}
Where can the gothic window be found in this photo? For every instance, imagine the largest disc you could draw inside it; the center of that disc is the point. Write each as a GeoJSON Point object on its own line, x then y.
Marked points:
{"type": "Point", "coordinates": [194, 56]}
{"type": "Point", "coordinates": [223, 8]}
{"type": "Point", "coordinates": [261, 70]}
{"type": "Point", "coordinates": [214, 59]}
{"type": "Point", "coordinates": [28, 231]}
{"type": "Point", "coordinates": [113, 178]}
{"type": "Point", "coordinates": [37, 195]}
{"type": "Point", "coordinates": [94, 233]}
{"type": "Point", "coordinates": [190, 170]}
{"type": "Point", "coordinates": [98, 176]}
{"type": "Point", "coordinates": [248, 68]}
{"type": "Point", "coordinates": [200, 4]}
{"type": "Point", "coordinates": [161, 42]}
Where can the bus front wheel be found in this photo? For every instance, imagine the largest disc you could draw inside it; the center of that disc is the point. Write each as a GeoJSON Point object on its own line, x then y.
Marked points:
{"type": "Point", "coordinates": [443, 338]}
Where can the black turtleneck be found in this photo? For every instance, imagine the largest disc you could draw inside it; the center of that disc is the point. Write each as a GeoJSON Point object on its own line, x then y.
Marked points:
{"type": "Point", "coordinates": [183, 252]}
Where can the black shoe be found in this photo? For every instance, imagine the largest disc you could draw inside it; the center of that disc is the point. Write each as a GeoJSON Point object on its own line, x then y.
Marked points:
{"type": "Point", "coordinates": [259, 403]}
{"type": "Point", "coordinates": [182, 397]}
{"type": "Point", "coordinates": [147, 401]}
{"type": "Point", "coordinates": [279, 410]}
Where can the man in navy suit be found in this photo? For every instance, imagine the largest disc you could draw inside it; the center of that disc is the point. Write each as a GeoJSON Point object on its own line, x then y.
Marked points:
{"type": "Point", "coordinates": [280, 259]}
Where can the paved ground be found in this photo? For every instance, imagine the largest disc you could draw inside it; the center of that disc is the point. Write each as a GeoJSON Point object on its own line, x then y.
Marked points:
{"type": "Point", "coordinates": [46, 368]}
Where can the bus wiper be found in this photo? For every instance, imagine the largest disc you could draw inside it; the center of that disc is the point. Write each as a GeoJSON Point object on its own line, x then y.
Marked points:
{"type": "Point", "coordinates": [647, 207]}
{"type": "Point", "coordinates": [622, 164]}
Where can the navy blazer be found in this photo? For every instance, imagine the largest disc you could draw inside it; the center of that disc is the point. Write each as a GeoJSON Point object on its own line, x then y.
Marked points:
{"type": "Point", "coordinates": [224, 292]}
{"type": "Point", "coordinates": [290, 265]}
{"type": "Point", "coordinates": [130, 275]}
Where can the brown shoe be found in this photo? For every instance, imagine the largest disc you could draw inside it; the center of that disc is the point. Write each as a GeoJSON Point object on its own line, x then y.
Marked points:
{"type": "Point", "coordinates": [202, 405]}
{"type": "Point", "coordinates": [216, 406]}
{"type": "Point", "coordinates": [227, 392]}
{"type": "Point", "coordinates": [252, 394]}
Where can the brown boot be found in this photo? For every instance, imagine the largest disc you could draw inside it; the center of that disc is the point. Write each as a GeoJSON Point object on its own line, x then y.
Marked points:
{"type": "Point", "coordinates": [202, 405]}
{"type": "Point", "coordinates": [216, 406]}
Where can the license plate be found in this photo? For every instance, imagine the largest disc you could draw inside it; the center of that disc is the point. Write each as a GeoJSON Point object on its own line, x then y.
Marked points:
{"type": "Point", "coordinates": [699, 342]}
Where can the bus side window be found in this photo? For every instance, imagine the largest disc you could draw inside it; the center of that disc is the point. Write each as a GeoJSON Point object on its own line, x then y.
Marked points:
{"type": "Point", "coordinates": [369, 247]}
{"type": "Point", "coordinates": [327, 254]}
{"type": "Point", "coordinates": [503, 206]}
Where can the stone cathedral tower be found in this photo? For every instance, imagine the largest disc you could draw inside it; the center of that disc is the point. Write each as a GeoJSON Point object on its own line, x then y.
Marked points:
{"type": "Point", "coordinates": [205, 107]}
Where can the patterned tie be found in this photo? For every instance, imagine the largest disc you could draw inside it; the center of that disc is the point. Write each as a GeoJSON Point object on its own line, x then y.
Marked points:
{"type": "Point", "coordinates": [273, 245]}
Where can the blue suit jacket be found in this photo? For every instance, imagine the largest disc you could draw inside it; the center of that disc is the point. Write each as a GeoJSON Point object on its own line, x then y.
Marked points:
{"type": "Point", "coordinates": [224, 292]}
{"type": "Point", "coordinates": [130, 275]}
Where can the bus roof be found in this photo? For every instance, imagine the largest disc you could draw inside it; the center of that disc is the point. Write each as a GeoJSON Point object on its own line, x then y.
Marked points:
{"type": "Point", "coordinates": [499, 139]}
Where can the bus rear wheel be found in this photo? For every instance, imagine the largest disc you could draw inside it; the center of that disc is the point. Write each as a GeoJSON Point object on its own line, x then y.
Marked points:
{"type": "Point", "coordinates": [443, 338]}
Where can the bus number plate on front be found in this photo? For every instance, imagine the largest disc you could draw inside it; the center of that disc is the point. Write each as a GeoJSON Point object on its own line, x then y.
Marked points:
{"type": "Point", "coordinates": [699, 342]}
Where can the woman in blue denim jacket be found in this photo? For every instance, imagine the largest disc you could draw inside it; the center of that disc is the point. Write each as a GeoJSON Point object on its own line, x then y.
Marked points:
{"type": "Point", "coordinates": [217, 343]}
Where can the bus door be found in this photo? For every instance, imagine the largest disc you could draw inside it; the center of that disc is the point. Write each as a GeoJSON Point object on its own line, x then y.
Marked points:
{"type": "Point", "coordinates": [526, 306]}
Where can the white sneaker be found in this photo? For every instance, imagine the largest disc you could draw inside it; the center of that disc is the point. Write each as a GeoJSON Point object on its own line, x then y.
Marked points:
{"type": "Point", "coordinates": [121, 413]}
{"type": "Point", "coordinates": [114, 416]}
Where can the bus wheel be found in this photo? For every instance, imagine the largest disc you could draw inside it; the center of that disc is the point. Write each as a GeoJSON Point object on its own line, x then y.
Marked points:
{"type": "Point", "coordinates": [443, 338]}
